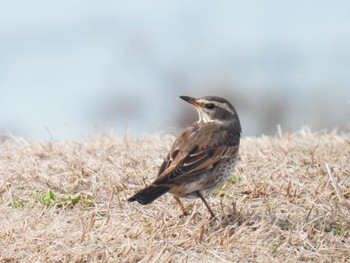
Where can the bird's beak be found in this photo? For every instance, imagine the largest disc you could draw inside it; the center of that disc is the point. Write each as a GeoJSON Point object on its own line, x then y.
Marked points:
{"type": "Point", "coordinates": [191, 100]}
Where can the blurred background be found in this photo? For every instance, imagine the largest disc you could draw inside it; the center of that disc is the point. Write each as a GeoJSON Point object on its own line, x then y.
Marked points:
{"type": "Point", "coordinates": [71, 68]}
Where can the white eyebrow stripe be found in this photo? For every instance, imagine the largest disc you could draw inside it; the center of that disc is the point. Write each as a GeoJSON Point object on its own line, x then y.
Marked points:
{"type": "Point", "coordinates": [229, 109]}
{"type": "Point", "coordinates": [222, 105]}
{"type": "Point", "coordinates": [216, 103]}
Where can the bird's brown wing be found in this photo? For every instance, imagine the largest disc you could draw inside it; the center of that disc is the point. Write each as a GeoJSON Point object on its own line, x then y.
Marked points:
{"type": "Point", "coordinates": [188, 159]}
{"type": "Point", "coordinates": [181, 143]}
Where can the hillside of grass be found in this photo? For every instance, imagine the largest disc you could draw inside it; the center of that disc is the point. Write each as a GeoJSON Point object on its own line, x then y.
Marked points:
{"type": "Point", "coordinates": [287, 200]}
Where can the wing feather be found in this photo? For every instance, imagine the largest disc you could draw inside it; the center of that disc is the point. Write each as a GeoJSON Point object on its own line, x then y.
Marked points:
{"type": "Point", "coordinates": [187, 159]}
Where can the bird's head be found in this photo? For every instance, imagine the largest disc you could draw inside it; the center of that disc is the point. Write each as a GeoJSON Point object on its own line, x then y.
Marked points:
{"type": "Point", "coordinates": [212, 108]}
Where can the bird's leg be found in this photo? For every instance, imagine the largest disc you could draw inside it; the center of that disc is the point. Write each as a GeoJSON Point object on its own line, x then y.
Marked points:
{"type": "Point", "coordinates": [206, 204]}
{"type": "Point", "coordinates": [184, 211]}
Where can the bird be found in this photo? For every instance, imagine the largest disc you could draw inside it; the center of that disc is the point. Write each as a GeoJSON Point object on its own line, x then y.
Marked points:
{"type": "Point", "coordinates": [202, 156]}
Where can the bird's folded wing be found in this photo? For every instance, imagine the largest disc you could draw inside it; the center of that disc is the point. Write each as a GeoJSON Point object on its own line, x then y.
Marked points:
{"type": "Point", "coordinates": [199, 159]}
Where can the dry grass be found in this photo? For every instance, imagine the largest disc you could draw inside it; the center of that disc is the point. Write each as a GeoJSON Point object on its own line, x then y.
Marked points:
{"type": "Point", "coordinates": [288, 200]}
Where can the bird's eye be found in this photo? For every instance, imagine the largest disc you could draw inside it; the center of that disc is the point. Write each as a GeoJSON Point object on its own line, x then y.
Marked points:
{"type": "Point", "coordinates": [209, 106]}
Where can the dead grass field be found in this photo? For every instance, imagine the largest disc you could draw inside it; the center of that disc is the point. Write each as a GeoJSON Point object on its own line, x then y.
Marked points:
{"type": "Point", "coordinates": [288, 200]}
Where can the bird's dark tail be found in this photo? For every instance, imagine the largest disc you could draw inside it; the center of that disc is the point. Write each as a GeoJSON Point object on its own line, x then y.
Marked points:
{"type": "Point", "coordinates": [149, 194]}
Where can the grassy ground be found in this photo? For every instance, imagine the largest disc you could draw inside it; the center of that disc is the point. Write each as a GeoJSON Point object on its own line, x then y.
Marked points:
{"type": "Point", "coordinates": [288, 200]}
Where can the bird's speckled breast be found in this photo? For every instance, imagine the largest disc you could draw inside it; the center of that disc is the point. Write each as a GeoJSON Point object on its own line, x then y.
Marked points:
{"type": "Point", "coordinates": [222, 172]}
{"type": "Point", "coordinates": [207, 181]}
